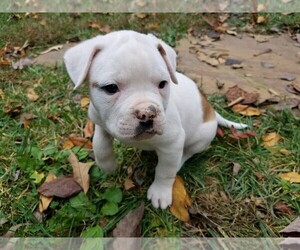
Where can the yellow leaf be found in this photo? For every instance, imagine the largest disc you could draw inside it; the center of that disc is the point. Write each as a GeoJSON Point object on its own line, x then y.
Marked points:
{"type": "Point", "coordinates": [85, 101]}
{"type": "Point", "coordinates": [180, 200]}
{"type": "Point", "coordinates": [246, 110]}
{"type": "Point", "coordinates": [271, 139]}
{"type": "Point", "coordinates": [68, 144]}
{"type": "Point", "coordinates": [80, 171]}
{"type": "Point", "coordinates": [292, 177]}
{"type": "Point", "coordinates": [45, 201]}
{"type": "Point", "coordinates": [37, 177]}
{"type": "Point", "coordinates": [284, 151]}
{"type": "Point", "coordinates": [31, 95]}
{"type": "Point", "coordinates": [261, 19]}
{"type": "Point", "coordinates": [88, 129]}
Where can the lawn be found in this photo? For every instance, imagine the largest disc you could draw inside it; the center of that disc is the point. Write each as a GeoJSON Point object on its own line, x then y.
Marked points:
{"type": "Point", "coordinates": [250, 200]}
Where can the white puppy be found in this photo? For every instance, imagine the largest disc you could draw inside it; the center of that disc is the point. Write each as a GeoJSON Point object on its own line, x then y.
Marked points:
{"type": "Point", "coordinates": [138, 98]}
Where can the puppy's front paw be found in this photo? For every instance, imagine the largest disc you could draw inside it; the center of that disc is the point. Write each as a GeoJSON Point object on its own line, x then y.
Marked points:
{"type": "Point", "coordinates": [160, 194]}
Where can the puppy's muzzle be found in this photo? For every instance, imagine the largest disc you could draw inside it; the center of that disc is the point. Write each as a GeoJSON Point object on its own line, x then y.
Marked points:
{"type": "Point", "coordinates": [146, 117]}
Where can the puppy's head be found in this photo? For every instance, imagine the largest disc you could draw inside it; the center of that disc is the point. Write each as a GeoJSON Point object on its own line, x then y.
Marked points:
{"type": "Point", "coordinates": [129, 76]}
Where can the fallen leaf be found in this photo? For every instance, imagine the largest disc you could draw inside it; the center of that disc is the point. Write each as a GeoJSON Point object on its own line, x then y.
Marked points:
{"type": "Point", "coordinates": [271, 139]}
{"type": "Point", "coordinates": [292, 177]}
{"type": "Point", "coordinates": [80, 141]}
{"type": "Point", "coordinates": [62, 187]}
{"type": "Point", "coordinates": [284, 151]}
{"type": "Point", "coordinates": [235, 134]}
{"type": "Point", "coordinates": [202, 56]}
{"type": "Point", "coordinates": [283, 207]}
{"type": "Point", "coordinates": [261, 19]}
{"type": "Point", "coordinates": [220, 132]}
{"type": "Point", "coordinates": [235, 92]}
{"type": "Point", "coordinates": [292, 230]}
{"type": "Point", "coordinates": [4, 61]}
{"type": "Point", "coordinates": [231, 32]}
{"type": "Point", "coordinates": [85, 101]}
{"type": "Point", "coordinates": [261, 38]}
{"type": "Point", "coordinates": [93, 25]}
{"type": "Point", "coordinates": [88, 129]}
{"type": "Point", "coordinates": [130, 225]}
{"type": "Point", "coordinates": [246, 110]}
{"type": "Point", "coordinates": [13, 110]}
{"type": "Point", "coordinates": [80, 171]}
{"type": "Point", "coordinates": [54, 48]}
{"type": "Point", "coordinates": [288, 77]}
{"type": "Point", "coordinates": [180, 200]}
{"type": "Point", "coordinates": [153, 26]}
{"type": "Point", "coordinates": [128, 184]}
{"type": "Point", "coordinates": [31, 95]}
{"type": "Point", "coordinates": [45, 201]}
{"type": "Point", "coordinates": [296, 86]}
{"type": "Point", "coordinates": [236, 168]}
{"type": "Point", "coordinates": [67, 144]}
{"type": "Point", "coordinates": [37, 177]}
{"type": "Point", "coordinates": [22, 63]}
{"type": "Point", "coordinates": [26, 118]}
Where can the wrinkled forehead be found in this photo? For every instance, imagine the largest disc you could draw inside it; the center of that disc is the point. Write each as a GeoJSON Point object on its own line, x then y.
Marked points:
{"type": "Point", "coordinates": [129, 59]}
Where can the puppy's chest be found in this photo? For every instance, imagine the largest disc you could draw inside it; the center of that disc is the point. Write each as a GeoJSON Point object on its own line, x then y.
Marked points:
{"type": "Point", "coordinates": [148, 145]}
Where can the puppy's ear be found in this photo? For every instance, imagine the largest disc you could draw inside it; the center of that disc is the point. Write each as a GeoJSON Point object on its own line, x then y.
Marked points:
{"type": "Point", "coordinates": [78, 59]}
{"type": "Point", "coordinates": [168, 54]}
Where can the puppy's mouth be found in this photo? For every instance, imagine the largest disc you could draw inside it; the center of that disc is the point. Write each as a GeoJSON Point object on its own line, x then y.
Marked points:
{"type": "Point", "coordinates": [146, 130]}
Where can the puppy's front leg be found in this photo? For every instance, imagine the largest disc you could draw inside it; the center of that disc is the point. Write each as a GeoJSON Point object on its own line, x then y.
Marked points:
{"type": "Point", "coordinates": [169, 163]}
{"type": "Point", "coordinates": [103, 150]}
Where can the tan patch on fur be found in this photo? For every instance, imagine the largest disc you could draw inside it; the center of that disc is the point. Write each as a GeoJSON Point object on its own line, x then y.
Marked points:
{"type": "Point", "coordinates": [208, 111]}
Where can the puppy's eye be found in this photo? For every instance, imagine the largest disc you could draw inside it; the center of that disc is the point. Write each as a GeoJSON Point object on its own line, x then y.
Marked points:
{"type": "Point", "coordinates": [110, 88]}
{"type": "Point", "coordinates": [162, 84]}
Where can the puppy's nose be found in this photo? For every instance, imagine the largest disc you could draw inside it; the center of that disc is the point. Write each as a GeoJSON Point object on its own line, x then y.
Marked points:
{"type": "Point", "coordinates": [146, 114]}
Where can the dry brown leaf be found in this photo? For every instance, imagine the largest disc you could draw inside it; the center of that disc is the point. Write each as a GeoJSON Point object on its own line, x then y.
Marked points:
{"type": "Point", "coordinates": [261, 19]}
{"type": "Point", "coordinates": [80, 171]}
{"type": "Point", "coordinates": [45, 201]}
{"type": "Point", "coordinates": [128, 184]}
{"type": "Point", "coordinates": [283, 207]}
{"type": "Point", "coordinates": [61, 187]}
{"type": "Point", "coordinates": [207, 59]}
{"type": "Point", "coordinates": [261, 38]}
{"type": "Point", "coordinates": [153, 26]}
{"type": "Point", "coordinates": [88, 129]}
{"type": "Point", "coordinates": [68, 144]}
{"type": "Point", "coordinates": [84, 102]}
{"type": "Point", "coordinates": [94, 25]}
{"type": "Point", "coordinates": [246, 110]}
{"type": "Point", "coordinates": [271, 139]}
{"type": "Point", "coordinates": [130, 225]}
{"type": "Point", "coordinates": [81, 141]}
{"type": "Point", "coordinates": [292, 177]}
{"type": "Point", "coordinates": [26, 118]}
{"type": "Point", "coordinates": [235, 93]}
{"type": "Point", "coordinates": [180, 200]}
{"type": "Point", "coordinates": [31, 95]}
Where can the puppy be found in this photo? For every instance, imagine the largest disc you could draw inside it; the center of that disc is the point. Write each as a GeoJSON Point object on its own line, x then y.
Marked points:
{"type": "Point", "coordinates": [138, 98]}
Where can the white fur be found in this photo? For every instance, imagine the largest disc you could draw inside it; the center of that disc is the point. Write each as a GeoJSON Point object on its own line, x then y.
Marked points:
{"type": "Point", "coordinates": [137, 63]}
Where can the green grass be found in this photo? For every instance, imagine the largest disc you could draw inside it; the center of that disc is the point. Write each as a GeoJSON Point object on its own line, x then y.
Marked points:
{"type": "Point", "coordinates": [225, 203]}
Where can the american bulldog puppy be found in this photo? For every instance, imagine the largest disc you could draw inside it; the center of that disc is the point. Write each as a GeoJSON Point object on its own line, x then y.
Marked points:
{"type": "Point", "coordinates": [138, 98]}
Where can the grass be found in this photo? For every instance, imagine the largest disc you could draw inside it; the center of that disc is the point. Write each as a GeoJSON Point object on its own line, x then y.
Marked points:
{"type": "Point", "coordinates": [239, 205]}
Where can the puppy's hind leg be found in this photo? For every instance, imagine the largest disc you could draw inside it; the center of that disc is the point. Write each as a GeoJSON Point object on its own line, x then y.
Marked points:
{"type": "Point", "coordinates": [103, 150]}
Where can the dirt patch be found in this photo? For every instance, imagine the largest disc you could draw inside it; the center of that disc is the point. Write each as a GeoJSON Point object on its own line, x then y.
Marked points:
{"type": "Point", "coordinates": [265, 67]}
